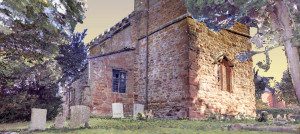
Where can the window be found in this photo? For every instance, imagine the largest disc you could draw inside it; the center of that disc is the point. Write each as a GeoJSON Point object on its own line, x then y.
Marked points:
{"type": "Point", "coordinates": [119, 81]}
{"type": "Point", "coordinates": [225, 75]}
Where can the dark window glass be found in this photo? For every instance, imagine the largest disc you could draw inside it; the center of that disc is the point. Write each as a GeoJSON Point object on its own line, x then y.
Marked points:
{"type": "Point", "coordinates": [119, 81]}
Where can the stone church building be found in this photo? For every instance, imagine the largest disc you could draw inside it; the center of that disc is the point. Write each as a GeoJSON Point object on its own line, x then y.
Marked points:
{"type": "Point", "coordinates": [161, 57]}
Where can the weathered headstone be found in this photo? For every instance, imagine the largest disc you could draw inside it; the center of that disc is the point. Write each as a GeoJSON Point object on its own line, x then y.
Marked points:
{"type": "Point", "coordinates": [289, 118]}
{"type": "Point", "coordinates": [279, 117]}
{"type": "Point", "coordinates": [218, 117]}
{"type": "Point", "coordinates": [60, 121]}
{"type": "Point", "coordinates": [138, 108]}
{"type": "Point", "coordinates": [38, 119]}
{"type": "Point", "coordinates": [149, 114]}
{"type": "Point", "coordinates": [270, 117]}
{"type": "Point", "coordinates": [86, 97]}
{"type": "Point", "coordinates": [80, 116]}
{"type": "Point", "coordinates": [280, 121]}
{"type": "Point", "coordinates": [117, 109]}
{"type": "Point", "coordinates": [285, 117]}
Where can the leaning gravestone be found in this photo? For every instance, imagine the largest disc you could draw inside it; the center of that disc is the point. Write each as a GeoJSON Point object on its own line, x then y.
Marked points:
{"type": "Point", "coordinates": [137, 108]}
{"type": "Point", "coordinates": [117, 109]}
{"type": "Point", "coordinates": [80, 116]}
{"type": "Point", "coordinates": [38, 119]}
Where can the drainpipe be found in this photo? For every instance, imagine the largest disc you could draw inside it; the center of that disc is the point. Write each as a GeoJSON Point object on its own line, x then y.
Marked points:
{"type": "Point", "coordinates": [147, 56]}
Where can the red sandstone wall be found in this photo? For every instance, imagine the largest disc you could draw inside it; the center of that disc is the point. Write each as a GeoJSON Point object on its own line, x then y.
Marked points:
{"type": "Point", "coordinates": [164, 11]}
{"type": "Point", "coordinates": [182, 76]}
{"type": "Point", "coordinates": [168, 85]}
{"type": "Point", "coordinates": [207, 97]}
{"type": "Point", "coordinates": [101, 83]}
{"type": "Point", "coordinates": [117, 42]}
{"type": "Point", "coordinates": [167, 71]}
{"type": "Point", "coordinates": [101, 73]}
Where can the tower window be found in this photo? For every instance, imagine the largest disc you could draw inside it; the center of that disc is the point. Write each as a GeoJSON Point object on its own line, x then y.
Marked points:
{"type": "Point", "coordinates": [119, 81]}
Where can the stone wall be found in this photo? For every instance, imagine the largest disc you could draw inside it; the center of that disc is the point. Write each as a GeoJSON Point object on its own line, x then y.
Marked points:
{"type": "Point", "coordinates": [167, 64]}
{"type": "Point", "coordinates": [101, 75]}
{"type": "Point", "coordinates": [167, 71]}
{"type": "Point", "coordinates": [181, 71]}
{"type": "Point", "coordinates": [112, 53]}
{"type": "Point", "coordinates": [207, 96]}
{"type": "Point", "coordinates": [164, 11]}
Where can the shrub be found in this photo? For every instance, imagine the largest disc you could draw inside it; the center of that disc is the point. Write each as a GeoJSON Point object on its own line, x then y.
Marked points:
{"type": "Point", "coordinates": [140, 116]}
{"type": "Point", "coordinates": [275, 112]}
{"type": "Point", "coordinates": [16, 102]}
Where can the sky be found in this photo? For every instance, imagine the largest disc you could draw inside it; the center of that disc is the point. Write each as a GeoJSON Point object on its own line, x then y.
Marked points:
{"type": "Point", "coordinates": [103, 14]}
{"type": "Point", "coordinates": [278, 63]}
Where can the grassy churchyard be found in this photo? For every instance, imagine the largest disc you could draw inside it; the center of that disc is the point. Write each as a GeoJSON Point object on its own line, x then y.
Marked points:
{"type": "Point", "coordinates": [129, 126]}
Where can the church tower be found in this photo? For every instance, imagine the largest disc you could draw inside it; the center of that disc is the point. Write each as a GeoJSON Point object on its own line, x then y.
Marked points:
{"type": "Point", "coordinates": [140, 5]}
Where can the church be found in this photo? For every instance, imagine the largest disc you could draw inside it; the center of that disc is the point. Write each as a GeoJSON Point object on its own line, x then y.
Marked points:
{"type": "Point", "coordinates": [161, 57]}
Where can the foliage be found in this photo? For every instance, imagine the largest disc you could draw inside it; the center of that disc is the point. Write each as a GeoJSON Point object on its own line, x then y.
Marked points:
{"type": "Point", "coordinates": [31, 32]}
{"type": "Point", "coordinates": [37, 28]}
{"type": "Point", "coordinates": [16, 103]}
{"type": "Point", "coordinates": [222, 14]}
{"type": "Point", "coordinates": [287, 89]}
{"type": "Point", "coordinates": [140, 116]}
{"type": "Point", "coordinates": [261, 83]}
{"type": "Point", "coordinates": [73, 58]}
{"type": "Point", "coordinates": [281, 112]}
{"type": "Point", "coordinates": [277, 22]}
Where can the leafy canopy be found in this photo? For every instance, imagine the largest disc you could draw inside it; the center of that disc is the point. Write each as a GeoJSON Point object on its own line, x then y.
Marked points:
{"type": "Point", "coordinates": [31, 32]}
{"type": "Point", "coordinates": [262, 14]}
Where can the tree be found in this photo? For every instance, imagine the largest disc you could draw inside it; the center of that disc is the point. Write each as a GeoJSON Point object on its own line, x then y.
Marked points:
{"type": "Point", "coordinates": [287, 89]}
{"type": "Point", "coordinates": [261, 83]}
{"type": "Point", "coordinates": [31, 33]}
{"type": "Point", "coordinates": [73, 58]}
{"type": "Point", "coordinates": [278, 24]}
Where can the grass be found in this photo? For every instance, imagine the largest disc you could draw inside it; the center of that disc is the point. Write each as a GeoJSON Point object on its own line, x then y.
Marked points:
{"type": "Point", "coordinates": [129, 126]}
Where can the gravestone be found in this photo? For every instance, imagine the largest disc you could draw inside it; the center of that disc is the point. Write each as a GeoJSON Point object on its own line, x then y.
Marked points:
{"type": "Point", "coordinates": [279, 117]}
{"type": "Point", "coordinates": [270, 117]}
{"type": "Point", "coordinates": [280, 121]}
{"type": "Point", "coordinates": [38, 119]}
{"type": "Point", "coordinates": [60, 121]}
{"type": "Point", "coordinates": [137, 108]}
{"type": "Point", "coordinates": [149, 114]}
{"type": "Point", "coordinates": [289, 118]}
{"type": "Point", "coordinates": [80, 116]}
{"type": "Point", "coordinates": [117, 109]}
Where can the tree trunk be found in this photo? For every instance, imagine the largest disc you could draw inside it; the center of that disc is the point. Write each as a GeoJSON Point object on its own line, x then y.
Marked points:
{"type": "Point", "coordinates": [292, 52]}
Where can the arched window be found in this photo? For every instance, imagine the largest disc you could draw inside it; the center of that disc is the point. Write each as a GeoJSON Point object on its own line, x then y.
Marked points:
{"type": "Point", "coordinates": [225, 74]}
